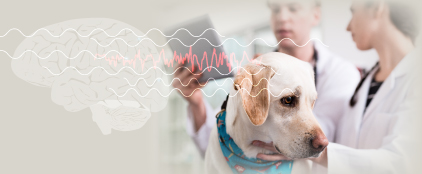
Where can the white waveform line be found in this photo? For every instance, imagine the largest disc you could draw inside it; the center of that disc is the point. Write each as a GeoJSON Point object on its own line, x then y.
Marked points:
{"type": "Point", "coordinates": [46, 57]}
{"type": "Point", "coordinates": [104, 55]}
{"type": "Point", "coordinates": [198, 89]}
{"type": "Point", "coordinates": [209, 42]}
{"type": "Point", "coordinates": [72, 67]}
{"type": "Point", "coordinates": [160, 79]}
{"type": "Point", "coordinates": [72, 29]}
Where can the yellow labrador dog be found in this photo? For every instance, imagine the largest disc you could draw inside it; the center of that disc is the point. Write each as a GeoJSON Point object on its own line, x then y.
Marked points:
{"type": "Point", "coordinates": [272, 101]}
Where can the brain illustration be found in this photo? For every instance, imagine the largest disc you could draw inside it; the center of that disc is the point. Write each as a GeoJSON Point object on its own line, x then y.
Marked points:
{"type": "Point", "coordinates": [87, 63]}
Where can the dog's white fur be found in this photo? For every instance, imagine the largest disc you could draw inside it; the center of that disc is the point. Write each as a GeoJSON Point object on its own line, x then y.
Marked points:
{"type": "Point", "coordinates": [287, 127]}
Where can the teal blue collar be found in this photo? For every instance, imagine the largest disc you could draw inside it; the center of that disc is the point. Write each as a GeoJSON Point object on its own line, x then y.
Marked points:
{"type": "Point", "coordinates": [236, 159]}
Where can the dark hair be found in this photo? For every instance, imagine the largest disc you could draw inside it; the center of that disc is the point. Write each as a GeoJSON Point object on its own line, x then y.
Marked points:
{"type": "Point", "coordinates": [353, 101]}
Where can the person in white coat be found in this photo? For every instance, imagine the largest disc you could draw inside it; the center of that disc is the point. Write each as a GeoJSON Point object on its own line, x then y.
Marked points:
{"type": "Point", "coordinates": [335, 77]}
{"type": "Point", "coordinates": [380, 132]}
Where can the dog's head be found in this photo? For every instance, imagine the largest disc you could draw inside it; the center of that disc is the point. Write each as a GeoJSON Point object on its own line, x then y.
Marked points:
{"type": "Point", "coordinates": [278, 94]}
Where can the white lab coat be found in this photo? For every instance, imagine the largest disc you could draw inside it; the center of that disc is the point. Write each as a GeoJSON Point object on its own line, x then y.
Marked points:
{"type": "Point", "coordinates": [385, 139]}
{"type": "Point", "coordinates": [336, 82]}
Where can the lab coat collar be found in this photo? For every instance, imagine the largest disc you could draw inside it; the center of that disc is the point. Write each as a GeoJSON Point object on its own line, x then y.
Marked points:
{"type": "Point", "coordinates": [322, 53]}
{"type": "Point", "coordinates": [404, 67]}
{"type": "Point", "coordinates": [361, 97]}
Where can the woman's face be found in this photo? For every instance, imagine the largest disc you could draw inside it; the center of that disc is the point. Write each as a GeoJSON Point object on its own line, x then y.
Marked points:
{"type": "Point", "coordinates": [362, 25]}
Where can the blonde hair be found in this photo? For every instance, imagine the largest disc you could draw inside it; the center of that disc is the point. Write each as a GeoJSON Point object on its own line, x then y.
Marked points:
{"type": "Point", "coordinates": [404, 17]}
{"type": "Point", "coordinates": [316, 3]}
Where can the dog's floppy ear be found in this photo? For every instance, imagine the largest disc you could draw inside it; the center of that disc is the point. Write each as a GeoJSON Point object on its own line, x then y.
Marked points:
{"type": "Point", "coordinates": [252, 83]}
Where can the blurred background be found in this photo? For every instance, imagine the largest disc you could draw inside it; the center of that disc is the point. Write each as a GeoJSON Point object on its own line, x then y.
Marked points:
{"type": "Point", "coordinates": [38, 136]}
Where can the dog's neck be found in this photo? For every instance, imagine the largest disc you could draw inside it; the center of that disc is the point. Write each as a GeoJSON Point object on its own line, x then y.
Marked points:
{"type": "Point", "coordinates": [239, 127]}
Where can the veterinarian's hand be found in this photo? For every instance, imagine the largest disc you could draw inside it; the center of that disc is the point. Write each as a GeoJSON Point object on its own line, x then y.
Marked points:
{"type": "Point", "coordinates": [190, 90]}
{"type": "Point", "coordinates": [321, 160]}
{"type": "Point", "coordinates": [270, 147]}
{"type": "Point", "coordinates": [188, 84]}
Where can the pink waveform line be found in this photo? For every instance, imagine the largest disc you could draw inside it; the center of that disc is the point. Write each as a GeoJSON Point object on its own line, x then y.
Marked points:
{"type": "Point", "coordinates": [189, 57]}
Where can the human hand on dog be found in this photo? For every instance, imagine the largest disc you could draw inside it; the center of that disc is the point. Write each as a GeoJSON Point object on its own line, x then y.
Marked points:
{"type": "Point", "coordinates": [321, 160]}
{"type": "Point", "coordinates": [270, 147]}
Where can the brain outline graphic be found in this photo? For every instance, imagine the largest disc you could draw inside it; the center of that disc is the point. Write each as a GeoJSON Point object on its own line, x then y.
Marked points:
{"type": "Point", "coordinates": [75, 91]}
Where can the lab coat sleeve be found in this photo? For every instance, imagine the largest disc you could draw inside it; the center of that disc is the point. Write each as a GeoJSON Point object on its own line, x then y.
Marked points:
{"type": "Point", "coordinates": [334, 93]}
{"type": "Point", "coordinates": [201, 137]}
{"type": "Point", "coordinates": [400, 151]}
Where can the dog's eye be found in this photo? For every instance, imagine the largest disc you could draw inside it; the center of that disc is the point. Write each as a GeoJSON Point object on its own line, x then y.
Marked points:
{"type": "Point", "coordinates": [288, 101]}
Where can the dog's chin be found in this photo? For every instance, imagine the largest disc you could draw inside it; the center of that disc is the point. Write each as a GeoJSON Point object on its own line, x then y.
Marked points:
{"type": "Point", "coordinates": [311, 154]}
